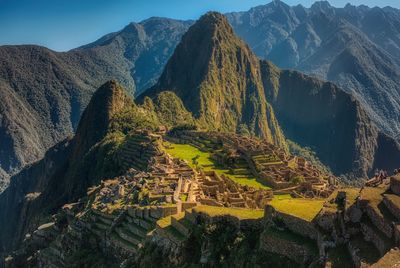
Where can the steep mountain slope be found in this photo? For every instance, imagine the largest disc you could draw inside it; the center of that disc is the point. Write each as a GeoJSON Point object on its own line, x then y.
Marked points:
{"type": "Point", "coordinates": [42, 97]}
{"type": "Point", "coordinates": [355, 47]}
{"type": "Point", "coordinates": [319, 115]}
{"type": "Point", "coordinates": [63, 174]}
{"type": "Point", "coordinates": [144, 48]}
{"type": "Point", "coordinates": [97, 151]}
{"type": "Point", "coordinates": [43, 93]}
{"type": "Point", "coordinates": [218, 79]}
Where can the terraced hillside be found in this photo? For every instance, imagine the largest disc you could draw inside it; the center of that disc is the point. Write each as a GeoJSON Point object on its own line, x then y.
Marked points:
{"type": "Point", "coordinates": [185, 207]}
{"type": "Point", "coordinates": [251, 162]}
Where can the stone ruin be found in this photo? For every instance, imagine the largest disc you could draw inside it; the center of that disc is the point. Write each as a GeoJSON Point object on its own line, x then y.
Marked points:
{"type": "Point", "coordinates": [281, 171]}
{"type": "Point", "coordinates": [173, 181]}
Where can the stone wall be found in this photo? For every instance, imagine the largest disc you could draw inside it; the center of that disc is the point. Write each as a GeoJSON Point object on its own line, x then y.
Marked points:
{"type": "Point", "coordinates": [392, 205]}
{"type": "Point", "coordinates": [293, 251]}
{"type": "Point", "coordinates": [379, 221]}
{"type": "Point", "coordinates": [397, 235]}
{"type": "Point", "coordinates": [294, 224]}
{"type": "Point", "coordinates": [395, 184]}
{"type": "Point", "coordinates": [357, 261]}
{"type": "Point", "coordinates": [375, 238]}
{"type": "Point", "coordinates": [326, 219]}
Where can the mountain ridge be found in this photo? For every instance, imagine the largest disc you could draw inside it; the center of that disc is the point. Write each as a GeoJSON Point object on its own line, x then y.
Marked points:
{"type": "Point", "coordinates": [47, 91]}
{"type": "Point", "coordinates": [221, 86]}
{"type": "Point", "coordinates": [64, 173]}
{"type": "Point", "coordinates": [300, 34]}
{"type": "Point", "coordinates": [303, 41]}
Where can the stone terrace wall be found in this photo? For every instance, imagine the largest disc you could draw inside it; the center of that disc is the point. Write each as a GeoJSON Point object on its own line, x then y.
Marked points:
{"type": "Point", "coordinates": [393, 205]}
{"type": "Point", "coordinates": [375, 238]}
{"type": "Point", "coordinates": [244, 224]}
{"type": "Point", "coordinates": [294, 224]}
{"type": "Point", "coordinates": [379, 221]}
{"type": "Point", "coordinates": [395, 184]}
{"type": "Point", "coordinates": [292, 251]}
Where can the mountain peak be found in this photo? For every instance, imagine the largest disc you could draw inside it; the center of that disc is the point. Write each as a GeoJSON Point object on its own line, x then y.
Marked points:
{"type": "Point", "coordinates": [217, 77]}
{"type": "Point", "coordinates": [107, 101]}
{"type": "Point", "coordinates": [213, 22]}
{"type": "Point", "coordinates": [321, 6]}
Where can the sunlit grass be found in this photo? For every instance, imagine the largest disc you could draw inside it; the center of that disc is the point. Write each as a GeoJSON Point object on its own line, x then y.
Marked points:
{"type": "Point", "coordinates": [239, 213]}
{"type": "Point", "coordinates": [188, 152]}
{"type": "Point", "coordinates": [306, 209]}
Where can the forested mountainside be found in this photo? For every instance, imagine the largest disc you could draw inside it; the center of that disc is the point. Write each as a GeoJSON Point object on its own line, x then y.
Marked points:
{"type": "Point", "coordinates": [227, 88]}
{"type": "Point", "coordinates": [116, 134]}
{"type": "Point", "coordinates": [43, 92]}
{"type": "Point", "coordinates": [356, 47]}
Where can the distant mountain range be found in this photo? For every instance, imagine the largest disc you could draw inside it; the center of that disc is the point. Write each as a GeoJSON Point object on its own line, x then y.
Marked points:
{"type": "Point", "coordinates": [358, 48]}
{"type": "Point", "coordinates": [223, 88]}
{"type": "Point", "coordinates": [43, 92]}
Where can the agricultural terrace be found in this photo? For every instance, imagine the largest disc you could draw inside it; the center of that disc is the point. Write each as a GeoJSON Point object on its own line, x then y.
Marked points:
{"type": "Point", "coordinates": [306, 209]}
{"type": "Point", "coordinates": [240, 213]}
{"type": "Point", "coordinates": [188, 152]}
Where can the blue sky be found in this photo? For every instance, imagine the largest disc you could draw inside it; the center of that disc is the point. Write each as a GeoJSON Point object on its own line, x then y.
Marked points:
{"type": "Point", "coordinates": [65, 24]}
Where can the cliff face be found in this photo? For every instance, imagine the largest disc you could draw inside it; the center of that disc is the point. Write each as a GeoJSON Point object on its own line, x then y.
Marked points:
{"type": "Point", "coordinates": [356, 47]}
{"type": "Point", "coordinates": [63, 174]}
{"type": "Point", "coordinates": [218, 79]}
{"type": "Point", "coordinates": [319, 115]}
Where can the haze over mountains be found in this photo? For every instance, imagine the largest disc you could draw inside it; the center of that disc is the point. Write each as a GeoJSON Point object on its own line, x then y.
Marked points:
{"type": "Point", "coordinates": [44, 92]}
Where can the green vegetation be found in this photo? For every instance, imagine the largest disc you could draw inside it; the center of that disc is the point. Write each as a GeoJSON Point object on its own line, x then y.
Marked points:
{"type": "Point", "coordinates": [132, 118]}
{"type": "Point", "coordinates": [305, 209]}
{"type": "Point", "coordinates": [169, 109]}
{"type": "Point", "coordinates": [188, 152]}
{"type": "Point", "coordinates": [88, 257]}
{"type": "Point", "coordinates": [184, 197]}
{"type": "Point", "coordinates": [166, 221]}
{"type": "Point", "coordinates": [241, 214]}
{"type": "Point", "coordinates": [101, 161]}
{"type": "Point", "coordinates": [308, 154]}
{"type": "Point", "coordinates": [220, 84]}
